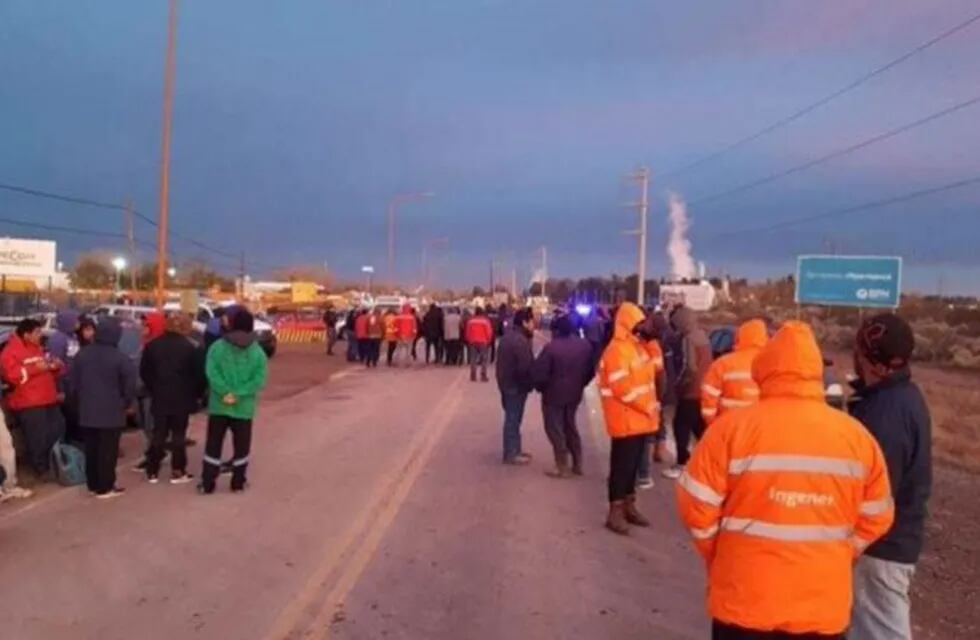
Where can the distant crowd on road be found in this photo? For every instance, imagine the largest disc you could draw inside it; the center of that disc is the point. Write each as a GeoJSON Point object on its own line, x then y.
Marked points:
{"type": "Point", "coordinates": [808, 514]}
{"type": "Point", "coordinates": [71, 394]}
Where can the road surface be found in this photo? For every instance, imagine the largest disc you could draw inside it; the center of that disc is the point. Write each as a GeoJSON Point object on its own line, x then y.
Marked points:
{"type": "Point", "coordinates": [378, 508]}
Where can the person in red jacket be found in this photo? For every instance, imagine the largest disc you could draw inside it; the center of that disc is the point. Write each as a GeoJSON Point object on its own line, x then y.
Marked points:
{"type": "Point", "coordinates": [480, 334]}
{"type": "Point", "coordinates": [407, 329]}
{"type": "Point", "coordinates": [361, 334]}
{"type": "Point", "coordinates": [34, 399]}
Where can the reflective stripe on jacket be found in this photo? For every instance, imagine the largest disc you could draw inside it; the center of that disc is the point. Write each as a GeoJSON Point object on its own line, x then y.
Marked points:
{"type": "Point", "coordinates": [728, 384]}
{"type": "Point", "coordinates": [781, 498]}
{"type": "Point", "coordinates": [627, 380]}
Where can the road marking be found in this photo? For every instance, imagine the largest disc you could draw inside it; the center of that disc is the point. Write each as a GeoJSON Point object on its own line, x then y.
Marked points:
{"type": "Point", "coordinates": [339, 375]}
{"type": "Point", "coordinates": [359, 542]}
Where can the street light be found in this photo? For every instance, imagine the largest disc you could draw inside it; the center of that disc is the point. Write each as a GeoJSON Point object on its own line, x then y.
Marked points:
{"type": "Point", "coordinates": [119, 264]}
{"type": "Point", "coordinates": [368, 270]}
{"type": "Point", "coordinates": [172, 272]}
{"type": "Point", "coordinates": [392, 210]}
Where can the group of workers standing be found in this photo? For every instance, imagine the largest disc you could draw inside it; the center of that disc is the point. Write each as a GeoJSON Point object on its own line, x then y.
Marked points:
{"type": "Point", "coordinates": [83, 387]}
{"type": "Point", "coordinates": [450, 336]}
{"type": "Point", "coordinates": [809, 520]}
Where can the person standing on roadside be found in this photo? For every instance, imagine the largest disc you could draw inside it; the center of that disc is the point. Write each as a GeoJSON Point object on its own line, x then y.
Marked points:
{"type": "Point", "coordinates": [627, 386]}
{"type": "Point", "coordinates": [451, 325]}
{"type": "Point", "coordinates": [781, 498]}
{"type": "Point", "coordinates": [172, 373]}
{"type": "Point", "coordinates": [9, 488]}
{"type": "Point", "coordinates": [104, 382]}
{"type": "Point", "coordinates": [695, 355]}
{"type": "Point", "coordinates": [330, 322]}
{"type": "Point", "coordinates": [408, 330]}
{"type": "Point", "coordinates": [34, 399]}
{"type": "Point", "coordinates": [237, 370]}
{"type": "Point", "coordinates": [479, 335]}
{"type": "Point", "coordinates": [361, 335]}
{"type": "Point", "coordinates": [514, 381]}
{"type": "Point", "coordinates": [376, 334]}
{"type": "Point", "coordinates": [63, 346]}
{"type": "Point", "coordinates": [894, 411]}
{"type": "Point", "coordinates": [432, 331]}
{"type": "Point", "coordinates": [561, 372]}
{"type": "Point", "coordinates": [651, 336]}
{"type": "Point", "coordinates": [728, 384]}
{"type": "Point", "coordinates": [351, 336]}
{"type": "Point", "coordinates": [391, 335]}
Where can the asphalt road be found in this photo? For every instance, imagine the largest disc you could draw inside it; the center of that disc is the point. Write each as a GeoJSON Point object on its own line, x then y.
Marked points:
{"type": "Point", "coordinates": [378, 508]}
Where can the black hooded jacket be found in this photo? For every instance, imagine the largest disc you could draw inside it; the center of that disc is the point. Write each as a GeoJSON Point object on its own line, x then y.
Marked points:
{"type": "Point", "coordinates": [172, 369]}
{"type": "Point", "coordinates": [104, 379]}
{"type": "Point", "coordinates": [895, 413]}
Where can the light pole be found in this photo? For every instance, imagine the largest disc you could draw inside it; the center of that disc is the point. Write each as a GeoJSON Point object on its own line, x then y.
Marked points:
{"type": "Point", "coordinates": [169, 71]}
{"type": "Point", "coordinates": [431, 244]}
{"type": "Point", "coordinates": [119, 264]}
{"type": "Point", "coordinates": [368, 271]}
{"type": "Point", "coordinates": [642, 176]}
{"type": "Point", "coordinates": [399, 199]}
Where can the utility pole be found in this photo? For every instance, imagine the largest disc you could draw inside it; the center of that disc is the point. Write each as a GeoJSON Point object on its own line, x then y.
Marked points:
{"type": "Point", "coordinates": [492, 268]}
{"type": "Point", "coordinates": [642, 176]}
{"type": "Point", "coordinates": [131, 240]}
{"type": "Point", "coordinates": [513, 283]}
{"type": "Point", "coordinates": [169, 72]}
{"type": "Point", "coordinates": [392, 212]}
{"type": "Point", "coordinates": [241, 276]}
{"type": "Point", "coordinates": [544, 271]}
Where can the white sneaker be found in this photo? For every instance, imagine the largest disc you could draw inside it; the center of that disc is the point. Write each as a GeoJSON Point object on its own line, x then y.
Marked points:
{"type": "Point", "coordinates": [15, 493]}
{"type": "Point", "coordinates": [115, 493]}
{"type": "Point", "coordinates": [674, 472]}
{"type": "Point", "coordinates": [644, 484]}
{"type": "Point", "coordinates": [182, 478]}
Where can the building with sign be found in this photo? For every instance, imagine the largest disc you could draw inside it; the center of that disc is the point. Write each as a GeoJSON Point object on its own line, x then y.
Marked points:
{"type": "Point", "coordinates": [30, 265]}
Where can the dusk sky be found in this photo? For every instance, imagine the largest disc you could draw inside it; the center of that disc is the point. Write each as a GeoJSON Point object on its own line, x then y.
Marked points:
{"type": "Point", "coordinates": [296, 122]}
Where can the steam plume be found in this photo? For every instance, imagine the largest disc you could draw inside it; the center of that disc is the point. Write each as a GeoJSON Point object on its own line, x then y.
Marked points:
{"type": "Point", "coordinates": [679, 247]}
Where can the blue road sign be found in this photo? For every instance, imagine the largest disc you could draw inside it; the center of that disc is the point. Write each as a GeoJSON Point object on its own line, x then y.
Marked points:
{"type": "Point", "coordinates": [849, 281]}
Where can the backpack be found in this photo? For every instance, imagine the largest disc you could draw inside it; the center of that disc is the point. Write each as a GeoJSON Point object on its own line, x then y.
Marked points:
{"type": "Point", "coordinates": [68, 463]}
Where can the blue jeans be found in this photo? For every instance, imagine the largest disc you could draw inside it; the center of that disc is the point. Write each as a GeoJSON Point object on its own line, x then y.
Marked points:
{"type": "Point", "coordinates": [513, 403]}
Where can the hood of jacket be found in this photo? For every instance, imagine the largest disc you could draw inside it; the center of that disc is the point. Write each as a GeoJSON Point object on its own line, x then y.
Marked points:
{"type": "Point", "coordinates": [108, 332]}
{"type": "Point", "coordinates": [407, 310]}
{"type": "Point", "coordinates": [685, 320]}
{"type": "Point", "coordinates": [240, 339]}
{"type": "Point", "coordinates": [628, 316]}
{"type": "Point", "coordinates": [156, 325]}
{"type": "Point", "coordinates": [66, 321]}
{"type": "Point", "coordinates": [791, 364]}
{"type": "Point", "coordinates": [751, 335]}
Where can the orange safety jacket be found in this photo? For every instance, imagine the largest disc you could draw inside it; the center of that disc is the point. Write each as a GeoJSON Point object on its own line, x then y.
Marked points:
{"type": "Point", "coordinates": [728, 384]}
{"type": "Point", "coordinates": [783, 496]}
{"type": "Point", "coordinates": [627, 380]}
{"type": "Point", "coordinates": [406, 324]}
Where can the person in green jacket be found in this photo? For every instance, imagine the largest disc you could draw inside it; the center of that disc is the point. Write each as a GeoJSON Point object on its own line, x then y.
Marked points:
{"type": "Point", "coordinates": [237, 370]}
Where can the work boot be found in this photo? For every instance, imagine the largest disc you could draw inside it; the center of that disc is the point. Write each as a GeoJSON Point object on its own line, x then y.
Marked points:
{"type": "Point", "coordinates": [633, 516]}
{"type": "Point", "coordinates": [660, 453]}
{"type": "Point", "coordinates": [616, 521]}
{"type": "Point", "coordinates": [561, 469]}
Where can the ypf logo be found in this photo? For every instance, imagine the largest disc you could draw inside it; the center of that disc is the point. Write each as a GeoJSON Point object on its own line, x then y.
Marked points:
{"type": "Point", "coordinates": [862, 294]}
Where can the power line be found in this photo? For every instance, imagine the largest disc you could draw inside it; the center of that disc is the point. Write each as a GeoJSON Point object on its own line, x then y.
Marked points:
{"type": "Point", "coordinates": [877, 204]}
{"type": "Point", "coordinates": [826, 99]}
{"type": "Point", "coordinates": [837, 154]}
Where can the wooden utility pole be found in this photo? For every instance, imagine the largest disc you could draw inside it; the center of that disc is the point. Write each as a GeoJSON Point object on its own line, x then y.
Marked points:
{"type": "Point", "coordinates": [169, 72]}
{"type": "Point", "coordinates": [131, 239]}
{"type": "Point", "coordinates": [642, 175]}
{"type": "Point", "coordinates": [241, 276]}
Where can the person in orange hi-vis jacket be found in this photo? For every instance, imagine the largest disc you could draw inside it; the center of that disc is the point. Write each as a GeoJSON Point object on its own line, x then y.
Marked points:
{"type": "Point", "coordinates": [728, 384]}
{"type": "Point", "coordinates": [406, 327]}
{"type": "Point", "coordinates": [782, 498]}
{"type": "Point", "coordinates": [627, 387]}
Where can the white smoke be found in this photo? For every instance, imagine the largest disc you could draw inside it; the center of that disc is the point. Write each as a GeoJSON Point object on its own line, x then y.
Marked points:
{"type": "Point", "coordinates": [679, 247]}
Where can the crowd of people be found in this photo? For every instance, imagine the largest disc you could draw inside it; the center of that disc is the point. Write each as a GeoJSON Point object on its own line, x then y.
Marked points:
{"type": "Point", "coordinates": [810, 519]}
{"type": "Point", "coordinates": [450, 336]}
{"type": "Point", "coordinates": [79, 392]}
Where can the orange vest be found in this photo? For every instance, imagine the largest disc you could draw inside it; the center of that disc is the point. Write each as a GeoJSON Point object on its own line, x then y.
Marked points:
{"type": "Point", "coordinates": [728, 384]}
{"type": "Point", "coordinates": [783, 496]}
{"type": "Point", "coordinates": [627, 380]}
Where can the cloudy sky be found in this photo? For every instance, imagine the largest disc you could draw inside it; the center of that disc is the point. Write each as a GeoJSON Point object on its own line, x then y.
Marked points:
{"type": "Point", "coordinates": [296, 122]}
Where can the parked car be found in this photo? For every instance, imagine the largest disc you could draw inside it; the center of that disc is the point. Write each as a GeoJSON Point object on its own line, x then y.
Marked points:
{"type": "Point", "coordinates": [264, 332]}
